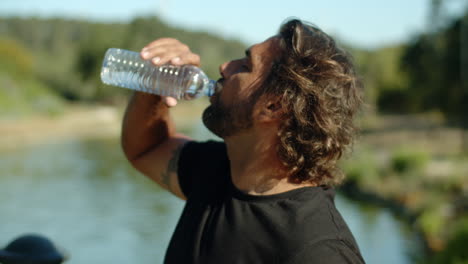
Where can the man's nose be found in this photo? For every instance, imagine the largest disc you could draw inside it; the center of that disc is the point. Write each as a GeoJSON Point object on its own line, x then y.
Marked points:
{"type": "Point", "coordinates": [222, 69]}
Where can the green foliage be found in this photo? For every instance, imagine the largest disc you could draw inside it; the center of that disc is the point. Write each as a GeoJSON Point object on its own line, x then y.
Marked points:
{"type": "Point", "coordinates": [20, 97]}
{"type": "Point", "coordinates": [362, 167]}
{"type": "Point", "coordinates": [66, 55]}
{"type": "Point", "coordinates": [455, 251]}
{"type": "Point", "coordinates": [382, 75]}
{"type": "Point", "coordinates": [404, 161]}
{"type": "Point", "coordinates": [424, 74]}
{"type": "Point", "coordinates": [14, 59]}
{"type": "Point", "coordinates": [434, 65]}
{"type": "Point", "coordinates": [431, 221]}
{"type": "Point", "coordinates": [20, 92]}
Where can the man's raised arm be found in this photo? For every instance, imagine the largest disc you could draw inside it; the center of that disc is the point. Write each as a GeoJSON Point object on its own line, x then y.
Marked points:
{"type": "Point", "coordinates": [149, 138]}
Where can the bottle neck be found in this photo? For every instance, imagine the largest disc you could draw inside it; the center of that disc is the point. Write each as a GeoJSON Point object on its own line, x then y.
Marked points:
{"type": "Point", "coordinates": [210, 88]}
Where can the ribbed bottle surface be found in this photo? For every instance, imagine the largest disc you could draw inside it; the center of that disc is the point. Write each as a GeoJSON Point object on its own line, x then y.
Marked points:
{"type": "Point", "coordinates": [127, 69]}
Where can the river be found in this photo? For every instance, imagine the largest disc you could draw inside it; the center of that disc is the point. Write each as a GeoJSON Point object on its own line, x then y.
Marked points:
{"type": "Point", "coordinates": [83, 195]}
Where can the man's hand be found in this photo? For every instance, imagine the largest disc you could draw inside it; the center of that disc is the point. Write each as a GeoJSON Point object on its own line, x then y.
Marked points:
{"type": "Point", "coordinates": [172, 51]}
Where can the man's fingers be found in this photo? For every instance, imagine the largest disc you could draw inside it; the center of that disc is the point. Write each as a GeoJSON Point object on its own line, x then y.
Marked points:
{"type": "Point", "coordinates": [162, 42]}
{"type": "Point", "coordinates": [157, 50]}
{"type": "Point", "coordinates": [176, 61]}
{"type": "Point", "coordinates": [176, 58]}
{"type": "Point", "coordinates": [193, 59]}
{"type": "Point", "coordinates": [170, 101]}
{"type": "Point", "coordinates": [171, 51]}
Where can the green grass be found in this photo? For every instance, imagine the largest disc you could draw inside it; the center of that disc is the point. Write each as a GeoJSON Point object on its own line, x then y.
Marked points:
{"type": "Point", "coordinates": [23, 97]}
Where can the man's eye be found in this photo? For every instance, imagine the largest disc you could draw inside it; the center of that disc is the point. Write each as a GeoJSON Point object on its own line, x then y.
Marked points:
{"type": "Point", "coordinates": [245, 67]}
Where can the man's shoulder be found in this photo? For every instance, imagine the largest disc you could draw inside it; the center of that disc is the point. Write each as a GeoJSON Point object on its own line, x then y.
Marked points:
{"type": "Point", "coordinates": [210, 146]}
{"type": "Point", "coordinates": [202, 152]}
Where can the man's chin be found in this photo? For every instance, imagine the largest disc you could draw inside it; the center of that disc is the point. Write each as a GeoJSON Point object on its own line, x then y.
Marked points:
{"type": "Point", "coordinates": [212, 121]}
{"type": "Point", "coordinates": [223, 123]}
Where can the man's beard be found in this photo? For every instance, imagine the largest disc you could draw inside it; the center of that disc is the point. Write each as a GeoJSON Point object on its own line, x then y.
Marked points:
{"type": "Point", "coordinates": [225, 121]}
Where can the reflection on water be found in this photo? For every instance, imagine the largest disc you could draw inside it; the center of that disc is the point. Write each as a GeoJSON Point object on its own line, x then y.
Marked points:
{"type": "Point", "coordinates": [381, 237]}
{"type": "Point", "coordinates": [86, 198]}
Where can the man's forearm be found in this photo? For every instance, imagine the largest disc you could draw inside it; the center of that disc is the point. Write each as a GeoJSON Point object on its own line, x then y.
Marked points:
{"type": "Point", "coordinates": [146, 124]}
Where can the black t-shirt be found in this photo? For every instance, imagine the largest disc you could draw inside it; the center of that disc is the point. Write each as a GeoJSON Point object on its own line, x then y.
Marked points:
{"type": "Point", "coordinates": [222, 225]}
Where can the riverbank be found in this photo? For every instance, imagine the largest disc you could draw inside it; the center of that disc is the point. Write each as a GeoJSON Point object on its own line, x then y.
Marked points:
{"type": "Point", "coordinates": [416, 168]}
{"type": "Point", "coordinates": [74, 122]}
{"type": "Point", "coordinates": [80, 121]}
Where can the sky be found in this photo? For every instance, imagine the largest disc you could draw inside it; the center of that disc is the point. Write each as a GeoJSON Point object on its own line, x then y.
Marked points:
{"type": "Point", "coordinates": [363, 23]}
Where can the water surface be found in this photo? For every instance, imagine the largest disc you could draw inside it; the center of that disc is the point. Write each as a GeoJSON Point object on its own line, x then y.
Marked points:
{"type": "Point", "coordinates": [83, 195]}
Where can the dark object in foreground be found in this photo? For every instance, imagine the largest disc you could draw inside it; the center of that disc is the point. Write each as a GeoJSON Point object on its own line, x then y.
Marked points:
{"type": "Point", "coordinates": [31, 249]}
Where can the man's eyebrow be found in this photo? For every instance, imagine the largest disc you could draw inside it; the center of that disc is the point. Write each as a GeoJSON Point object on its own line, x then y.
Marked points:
{"type": "Point", "coordinates": [247, 53]}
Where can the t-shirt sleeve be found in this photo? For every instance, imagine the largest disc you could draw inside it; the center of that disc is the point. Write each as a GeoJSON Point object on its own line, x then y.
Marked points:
{"type": "Point", "coordinates": [327, 252]}
{"type": "Point", "coordinates": [202, 166]}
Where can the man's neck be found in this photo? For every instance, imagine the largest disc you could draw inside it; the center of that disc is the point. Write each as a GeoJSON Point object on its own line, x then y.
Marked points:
{"type": "Point", "coordinates": [255, 166]}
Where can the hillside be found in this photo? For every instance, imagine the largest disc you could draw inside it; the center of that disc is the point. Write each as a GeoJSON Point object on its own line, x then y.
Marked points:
{"type": "Point", "coordinates": [52, 61]}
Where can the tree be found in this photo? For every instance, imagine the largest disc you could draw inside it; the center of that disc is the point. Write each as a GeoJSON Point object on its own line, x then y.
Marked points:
{"type": "Point", "coordinates": [436, 66]}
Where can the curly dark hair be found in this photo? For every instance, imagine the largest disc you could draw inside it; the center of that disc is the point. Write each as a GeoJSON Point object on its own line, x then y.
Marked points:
{"type": "Point", "coordinates": [321, 94]}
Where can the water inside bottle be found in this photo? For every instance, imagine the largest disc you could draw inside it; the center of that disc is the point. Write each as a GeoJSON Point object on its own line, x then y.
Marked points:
{"type": "Point", "coordinates": [127, 69]}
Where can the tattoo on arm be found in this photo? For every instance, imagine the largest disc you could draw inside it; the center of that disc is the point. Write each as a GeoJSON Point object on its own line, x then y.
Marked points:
{"type": "Point", "coordinates": [172, 167]}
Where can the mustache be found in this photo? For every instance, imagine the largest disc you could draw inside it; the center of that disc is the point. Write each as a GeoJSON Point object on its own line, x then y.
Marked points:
{"type": "Point", "coordinates": [219, 85]}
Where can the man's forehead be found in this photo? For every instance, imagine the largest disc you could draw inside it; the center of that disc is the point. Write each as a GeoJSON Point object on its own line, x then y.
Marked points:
{"type": "Point", "coordinates": [267, 49]}
{"type": "Point", "coordinates": [271, 42]}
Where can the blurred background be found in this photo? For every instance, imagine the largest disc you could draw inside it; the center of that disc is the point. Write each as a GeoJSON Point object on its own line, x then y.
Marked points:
{"type": "Point", "coordinates": [63, 174]}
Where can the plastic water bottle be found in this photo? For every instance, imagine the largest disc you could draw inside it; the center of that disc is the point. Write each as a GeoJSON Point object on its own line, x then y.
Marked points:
{"type": "Point", "coordinates": [127, 69]}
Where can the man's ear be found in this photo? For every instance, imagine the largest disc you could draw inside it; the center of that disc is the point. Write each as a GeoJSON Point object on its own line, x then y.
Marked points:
{"type": "Point", "coordinates": [271, 110]}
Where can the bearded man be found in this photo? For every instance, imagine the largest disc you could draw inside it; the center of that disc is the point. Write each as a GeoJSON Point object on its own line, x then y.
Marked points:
{"type": "Point", "coordinates": [265, 194]}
